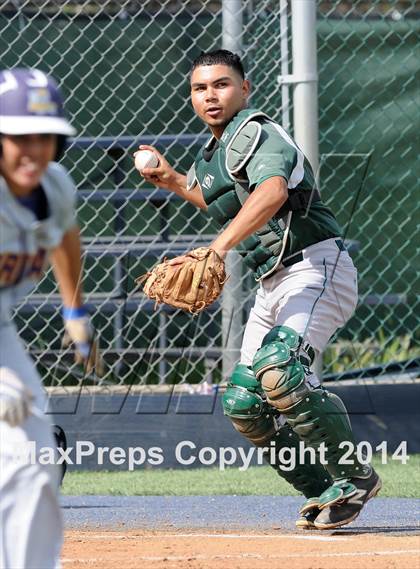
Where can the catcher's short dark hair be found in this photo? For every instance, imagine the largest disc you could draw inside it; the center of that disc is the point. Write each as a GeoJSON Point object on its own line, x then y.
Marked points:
{"type": "Point", "coordinates": [219, 57]}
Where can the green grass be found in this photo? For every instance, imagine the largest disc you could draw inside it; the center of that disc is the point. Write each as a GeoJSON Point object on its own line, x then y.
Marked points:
{"type": "Point", "coordinates": [344, 355]}
{"type": "Point", "coordinates": [399, 480]}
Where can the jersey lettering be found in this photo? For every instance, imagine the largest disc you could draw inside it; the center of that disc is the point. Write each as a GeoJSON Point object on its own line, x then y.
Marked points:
{"type": "Point", "coordinates": [14, 267]}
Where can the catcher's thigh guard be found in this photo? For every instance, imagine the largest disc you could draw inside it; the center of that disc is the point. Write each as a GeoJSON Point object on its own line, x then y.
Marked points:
{"type": "Point", "coordinates": [245, 404]}
{"type": "Point", "coordinates": [315, 415]}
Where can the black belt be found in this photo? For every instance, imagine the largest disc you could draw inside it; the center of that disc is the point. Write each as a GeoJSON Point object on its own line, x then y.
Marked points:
{"type": "Point", "coordinates": [297, 257]}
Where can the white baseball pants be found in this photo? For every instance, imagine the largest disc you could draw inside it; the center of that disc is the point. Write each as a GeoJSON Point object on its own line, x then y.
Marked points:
{"type": "Point", "coordinates": [30, 518]}
{"type": "Point", "coordinates": [314, 297]}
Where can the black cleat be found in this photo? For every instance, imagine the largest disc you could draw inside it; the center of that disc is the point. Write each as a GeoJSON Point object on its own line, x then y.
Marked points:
{"type": "Point", "coordinates": [346, 510]}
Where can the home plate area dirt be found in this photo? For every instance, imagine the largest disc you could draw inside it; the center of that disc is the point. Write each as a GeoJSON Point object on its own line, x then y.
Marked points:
{"type": "Point", "coordinates": [246, 550]}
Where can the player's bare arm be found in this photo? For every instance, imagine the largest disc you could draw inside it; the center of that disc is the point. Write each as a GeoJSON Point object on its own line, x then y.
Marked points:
{"type": "Point", "coordinates": [67, 266]}
{"type": "Point", "coordinates": [166, 177]}
{"type": "Point", "coordinates": [262, 204]}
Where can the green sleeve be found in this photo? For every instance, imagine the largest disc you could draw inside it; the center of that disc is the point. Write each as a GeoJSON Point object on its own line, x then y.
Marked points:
{"type": "Point", "coordinates": [274, 156]}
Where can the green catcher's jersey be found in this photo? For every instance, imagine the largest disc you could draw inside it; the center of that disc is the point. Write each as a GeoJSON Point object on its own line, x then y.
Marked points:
{"type": "Point", "coordinates": [274, 154]}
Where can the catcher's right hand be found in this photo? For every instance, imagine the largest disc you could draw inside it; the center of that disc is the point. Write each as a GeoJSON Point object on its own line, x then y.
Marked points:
{"type": "Point", "coordinates": [191, 282]}
{"type": "Point", "coordinates": [163, 176]}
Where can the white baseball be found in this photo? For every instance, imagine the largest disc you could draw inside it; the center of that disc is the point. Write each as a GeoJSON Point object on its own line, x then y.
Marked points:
{"type": "Point", "coordinates": [145, 159]}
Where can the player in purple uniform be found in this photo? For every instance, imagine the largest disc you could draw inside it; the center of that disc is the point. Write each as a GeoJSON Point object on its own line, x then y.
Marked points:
{"type": "Point", "coordinates": [38, 221]}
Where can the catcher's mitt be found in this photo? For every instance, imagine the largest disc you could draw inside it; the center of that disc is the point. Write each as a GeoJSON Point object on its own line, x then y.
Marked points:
{"type": "Point", "coordinates": [191, 285]}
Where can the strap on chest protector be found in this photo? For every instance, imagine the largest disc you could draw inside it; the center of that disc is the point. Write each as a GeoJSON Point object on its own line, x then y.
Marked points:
{"type": "Point", "coordinates": [242, 146]}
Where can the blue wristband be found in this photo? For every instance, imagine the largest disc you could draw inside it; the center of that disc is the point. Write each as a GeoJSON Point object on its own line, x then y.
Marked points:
{"type": "Point", "coordinates": [72, 313]}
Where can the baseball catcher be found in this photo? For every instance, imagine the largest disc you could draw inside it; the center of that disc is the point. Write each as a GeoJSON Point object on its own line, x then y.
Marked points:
{"type": "Point", "coordinates": [260, 189]}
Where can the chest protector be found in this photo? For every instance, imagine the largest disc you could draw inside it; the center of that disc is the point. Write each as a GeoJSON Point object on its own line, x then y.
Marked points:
{"type": "Point", "coordinates": [219, 169]}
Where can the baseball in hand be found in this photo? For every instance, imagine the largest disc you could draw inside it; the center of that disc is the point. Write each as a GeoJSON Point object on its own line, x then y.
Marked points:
{"type": "Point", "coordinates": [145, 159]}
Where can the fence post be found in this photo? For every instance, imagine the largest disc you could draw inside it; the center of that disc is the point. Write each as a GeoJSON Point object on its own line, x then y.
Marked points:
{"type": "Point", "coordinates": [232, 26]}
{"type": "Point", "coordinates": [284, 65]}
{"type": "Point", "coordinates": [117, 154]}
{"type": "Point", "coordinates": [305, 92]}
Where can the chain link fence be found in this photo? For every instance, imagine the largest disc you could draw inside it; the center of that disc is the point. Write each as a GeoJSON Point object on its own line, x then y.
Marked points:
{"type": "Point", "coordinates": [124, 70]}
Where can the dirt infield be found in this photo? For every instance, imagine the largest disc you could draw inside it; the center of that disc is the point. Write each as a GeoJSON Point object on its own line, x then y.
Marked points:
{"type": "Point", "coordinates": [242, 550]}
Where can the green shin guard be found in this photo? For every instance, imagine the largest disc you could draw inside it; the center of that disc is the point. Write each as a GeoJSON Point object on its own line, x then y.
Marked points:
{"type": "Point", "coordinates": [318, 417]}
{"type": "Point", "coordinates": [311, 479]}
{"type": "Point", "coordinates": [320, 420]}
{"type": "Point", "coordinates": [244, 403]}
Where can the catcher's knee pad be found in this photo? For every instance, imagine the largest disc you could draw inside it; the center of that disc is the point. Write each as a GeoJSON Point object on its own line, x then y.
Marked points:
{"type": "Point", "coordinates": [282, 365]}
{"type": "Point", "coordinates": [244, 403]}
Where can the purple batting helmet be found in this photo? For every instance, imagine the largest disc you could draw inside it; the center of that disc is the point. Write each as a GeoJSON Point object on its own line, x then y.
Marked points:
{"type": "Point", "coordinates": [31, 103]}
